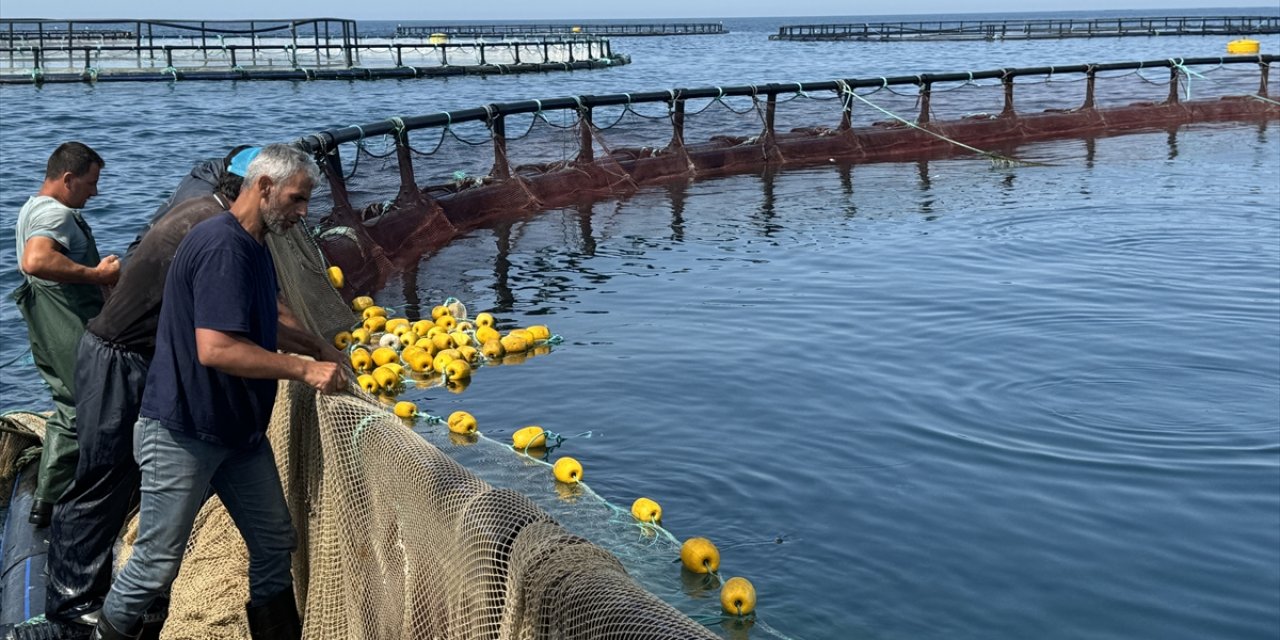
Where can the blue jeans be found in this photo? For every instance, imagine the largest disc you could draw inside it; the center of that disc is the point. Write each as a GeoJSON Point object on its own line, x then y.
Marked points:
{"type": "Point", "coordinates": [176, 471]}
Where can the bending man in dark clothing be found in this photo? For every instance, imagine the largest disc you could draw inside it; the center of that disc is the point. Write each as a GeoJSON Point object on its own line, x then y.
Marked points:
{"type": "Point", "coordinates": [208, 397]}
{"type": "Point", "coordinates": [113, 358]}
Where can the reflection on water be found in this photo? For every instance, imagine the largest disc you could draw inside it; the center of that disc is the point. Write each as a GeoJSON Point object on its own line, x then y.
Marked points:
{"type": "Point", "coordinates": [974, 406]}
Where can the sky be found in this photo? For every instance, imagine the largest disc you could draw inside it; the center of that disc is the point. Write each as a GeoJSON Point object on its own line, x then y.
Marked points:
{"type": "Point", "coordinates": [566, 9]}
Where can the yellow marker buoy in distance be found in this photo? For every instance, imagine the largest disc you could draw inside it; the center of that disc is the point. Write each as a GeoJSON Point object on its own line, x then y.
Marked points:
{"type": "Point", "coordinates": [484, 319]}
{"type": "Point", "coordinates": [406, 409]}
{"type": "Point", "coordinates": [530, 437]}
{"type": "Point", "coordinates": [342, 340]}
{"type": "Point", "coordinates": [738, 597]}
{"type": "Point", "coordinates": [568, 470]}
{"type": "Point", "coordinates": [336, 278]}
{"type": "Point", "coordinates": [1243, 46]}
{"type": "Point", "coordinates": [462, 422]}
{"type": "Point", "coordinates": [699, 555]}
{"type": "Point", "coordinates": [360, 303]}
{"type": "Point", "coordinates": [646, 510]}
{"type": "Point", "coordinates": [368, 383]}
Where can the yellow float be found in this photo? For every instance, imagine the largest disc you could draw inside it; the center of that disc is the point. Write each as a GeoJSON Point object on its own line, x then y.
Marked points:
{"type": "Point", "coordinates": [568, 470]}
{"type": "Point", "coordinates": [361, 360]}
{"type": "Point", "coordinates": [342, 340]}
{"type": "Point", "coordinates": [487, 334]}
{"type": "Point", "coordinates": [457, 369]}
{"type": "Point", "coordinates": [738, 597]}
{"type": "Point", "coordinates": [646, 510]}
{"type": "Point", "coordinates": [462, 422]}
{"type": "Point", "coordinates": [361, 303]}
{"type": "Point", "coordinates": [699, 555]}
{"type": "Point", "coordinates": [484, 319]}
{"type": "Point", "coordinates": [375, 310]}
{"type": "Point", "coordinates": [406, 409]}
{"type": "Point", "coordinates": [336, 278]}
{"type": "Point", "coordinates": [383, 355]}
{"type": "Point", "coordinates": [514, 344]}
{"type": "Point", "coordinates": [374, 324]}
{"type": "Point", "coordinates": [539, 331]}
{"type": "Point", "coordinates": [529, 437]}
{"type": "Point", "coordinates": [492, 349]}
{"type": "Point", "coordinates": [1244, 46]}
{"type": "Point", "coordinates": [367, 383]}
{"type": "Point", "coordinates": [440, 311]}
{"type": "Point", "coordinates": [360, 336]}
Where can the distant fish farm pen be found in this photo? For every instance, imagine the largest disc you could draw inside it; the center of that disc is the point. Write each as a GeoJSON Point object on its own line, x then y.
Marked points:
{"type": "Point", "coordinates": [36, 51]}
{"type": "Point", "coordinates": [1045, 29]}
{"type": "Point", "coordinates": [616, 30]}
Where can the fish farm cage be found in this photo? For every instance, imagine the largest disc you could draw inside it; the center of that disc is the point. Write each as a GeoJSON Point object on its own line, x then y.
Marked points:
{"type": "Point", "coordinates": [1039, 29]}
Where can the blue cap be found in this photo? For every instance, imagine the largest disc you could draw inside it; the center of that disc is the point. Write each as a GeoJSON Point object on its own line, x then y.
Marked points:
{"type": "Point", "coordinates": [240, 163]}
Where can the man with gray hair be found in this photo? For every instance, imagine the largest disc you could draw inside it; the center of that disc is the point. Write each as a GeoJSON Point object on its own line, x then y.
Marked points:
{"type": "Point", "coordinates": [208, 399]}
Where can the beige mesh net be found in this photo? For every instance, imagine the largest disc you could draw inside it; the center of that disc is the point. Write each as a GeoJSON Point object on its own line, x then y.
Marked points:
{"type": "Point", "coordinates": [398, 540]}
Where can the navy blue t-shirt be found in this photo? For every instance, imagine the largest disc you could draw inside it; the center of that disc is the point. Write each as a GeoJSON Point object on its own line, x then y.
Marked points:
{"type": "Point", "coordinates": [222, 279]}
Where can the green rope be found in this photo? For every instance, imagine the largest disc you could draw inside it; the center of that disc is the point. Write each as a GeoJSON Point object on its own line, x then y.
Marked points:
{"type": "Point", "coordinates": [1266, 100]}
{"type": "Point", "coordinates": [1177, 64]}
{"type": "Point", "coordinates": [994, 157]}
{"type": "Point", "coordinates": [172, 71]}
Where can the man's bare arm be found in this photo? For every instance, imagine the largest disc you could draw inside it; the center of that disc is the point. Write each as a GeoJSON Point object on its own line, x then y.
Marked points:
{"type": "Point", "coordinates": [239, 356]}
{"type": "Point", "coordinates": [42, 258]}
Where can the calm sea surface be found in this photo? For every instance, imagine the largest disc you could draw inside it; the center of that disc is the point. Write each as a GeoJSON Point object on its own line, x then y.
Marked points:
{"type": "Point", "coordinates": [907, 400]}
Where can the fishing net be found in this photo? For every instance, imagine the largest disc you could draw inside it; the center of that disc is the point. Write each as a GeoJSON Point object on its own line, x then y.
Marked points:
{"type": "Point", "coordinates": [413, 190]}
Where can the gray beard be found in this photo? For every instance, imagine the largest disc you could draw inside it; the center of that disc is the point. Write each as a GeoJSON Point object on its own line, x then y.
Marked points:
{"type": "Point", "coordinates": [274, 220]}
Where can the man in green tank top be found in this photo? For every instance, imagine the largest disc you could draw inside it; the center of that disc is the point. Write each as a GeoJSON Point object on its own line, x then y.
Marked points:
{"type": "Point", "coordinates": [60, 292]}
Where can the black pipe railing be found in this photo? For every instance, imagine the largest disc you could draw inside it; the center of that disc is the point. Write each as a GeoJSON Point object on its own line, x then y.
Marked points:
{"type": "Point", "coordinates": [622, 30]}
{"type": "Point", "coordinates": [325, 141]}
{"type": "Point", "coordinates": [1033, 29]}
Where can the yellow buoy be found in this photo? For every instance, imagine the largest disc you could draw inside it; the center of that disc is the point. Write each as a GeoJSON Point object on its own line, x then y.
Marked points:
{"type": "Point", "coordinates": [387, 380]}
{"type": "Point", "coordinates": [484, 319]}
{"type": "Point", "coordinates": [361, 303]}
{"type": "Point", "coordinates": [342, 340]}
{"type": "Point", "coordinates": [383, 355]}
{"type": "Point", "coordinates": [1243, 46]}
{"type": "Point", "coordinates": [738, 597]}
{"type": "Point", "coordinates": [427, 345]}
{"type": "Point", "coordinates": [442, 340]}
{"type": "Point", "coordinates": [523, 334]}
{"type": "Point", "coordinates": [360, 336]}
{"type": "Point", "coordinates": [422, 326]}
{"type": "Point", "coordinates": [460, 339]}
{"type": "Point", "coordinates": [439, 311]}
{"type": "Point", "coordinates": [361, 360]}
{"type": "Point", "coordinates": [464, 325]}
{"type": "Point", "coordinates": [529, 438]}
{"type": "Point", "coordinates": [646, 510]}
{"type": "Point", "coordinates": [368, 383]}
{"type": "Point", "coordinates": [514, 344]}
{"type": "Point", "coordinates": [408, 337]}
{"type": "Point", "coordinates": [539, 331]}
{"type": "Point", "coordinates": [438, 38]}
{"type": "Point", "coordinates": [462, 422]}
{"type": "Point", "coordinates": [335, 277]}
{"type": "Point", "coordinates": [406, 409]}
{"type": "Point", "coordinates": [395, 368]}
{"type": "Point", "coordinates": [419, 361]}
{"type": "Point", "coordinates": [568, 470]}
{"type": "Point", "coordinates": [395, 323]}
{"type": "Point", "coordinates": [375, 310]}
{"type": "Point", "coordinates": [487, 334]}
{"type": "Point", "coordinates": [492, 349]}
{"type": "Point", "coordinates": [443, 359]}
{"type": "Point", "coordinates": [457, 369]}
{"type": "Point", "coordinates": [468, 353]}
{"type": "Point", "coordinates": [699, 555]}
{"type": "Point", "coordinates": [448, 323]}
{"type": "Point", "coordinates": [374, 324]}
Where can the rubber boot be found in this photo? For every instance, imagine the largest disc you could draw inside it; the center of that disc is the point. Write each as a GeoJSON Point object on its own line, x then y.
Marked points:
{"type": "Point", "coordinates": [41, 513]}
{"type": "Point", "coordinates": [276, 619]}
{"type": "Point", "coordinates": [104, 631]}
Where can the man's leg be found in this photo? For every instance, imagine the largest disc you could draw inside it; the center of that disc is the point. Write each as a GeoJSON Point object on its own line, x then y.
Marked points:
{"type": "Point", "coordinates": [57, 459]}
{"type": "Point", "coordinates": [249, 484]}
{"type": "Point", "coordinates": [92, 511]}
{"type": "Point", "coordinates": [176, 470]}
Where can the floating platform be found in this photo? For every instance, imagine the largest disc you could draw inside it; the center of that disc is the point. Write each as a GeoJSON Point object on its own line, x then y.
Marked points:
{"type": "Point", "coordinates": [39, 51]}
{"type": "Point", "coordinates": [613, 29]}
{"type": "Point", "coordinates": [1046, 29]}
